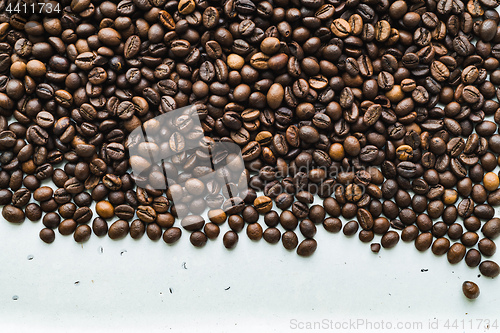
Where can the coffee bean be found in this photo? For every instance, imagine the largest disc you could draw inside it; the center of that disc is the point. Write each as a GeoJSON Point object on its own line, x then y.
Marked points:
{"type": "Point", "coordinates": [47, 235]}
{"type": "Point", "coordinates": [82, 233]}
{"type": "Point", "coordinates": [43, 193]}
{"type": "Point", "coordinates": [146, 214]}
{"type": "Point", "coordinates": [423, 241]}
{"type": "Point", "coordinates": [12, 214]}
{"type": "Point", "coordinates": [350, 228]}
{"type": "Point", "coordinates": [487, 247]}
{"type": "Point", "coordinates": [263, 204]}
{"type": "Point", "coordinates": [465, 208]}
{"type": "Point", "coordinates": [68, 227]}
{"type": "Point", "coordinates": [390, 239]}
{"type": "Point", "coordinates": [51, 220]}
{"type": "Point", "coordinates": [365, 219]}
{"type": "Point", "coordinates": [193, 222]}
{"type": "Point", "coordinates": [289, 240]}
{"type": "Point", "coordinates": [172, 235]}
{"type": "Point", "coordinates": [99, 226]}
{"type": "Point", "coordinates": [456, 253]}
{"type": "Point", "coordinates": [340, 28]}
{"type": "Point", "coordinates": [230, 239]}
{"type": "Point", "coordinates": [473, 258]}
{"type": "Point", "coordinates": [470, 290]}
{"type": "Point", "coordinates": [33, 212]}
{"type": "Point", "coordinates": [198, 239]}
{"type": "Point", "coordinates": [82, 215]}
{"type": "Point", "coordinates": [489, 268]}
{"type": "Point", "coordinates": [118, 229]}
{"type": "Point", "coordinates": [21, 197]}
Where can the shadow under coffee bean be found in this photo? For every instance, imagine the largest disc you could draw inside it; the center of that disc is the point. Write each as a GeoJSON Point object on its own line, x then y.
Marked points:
{"type": "Point", "coordinates": [387, 112]}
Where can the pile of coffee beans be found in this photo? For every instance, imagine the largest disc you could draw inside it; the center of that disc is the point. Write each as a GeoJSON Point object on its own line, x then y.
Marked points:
{"type": "Point", "coordinates": [386, 110]}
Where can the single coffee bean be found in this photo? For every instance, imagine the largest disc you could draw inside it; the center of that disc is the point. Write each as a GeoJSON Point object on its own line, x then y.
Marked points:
{"type": "Point", "coordinates": [153, 231]}
{"type": "Point", "coordinates": [423, 241]}
{"type": "Point", "coordinates": [390, 239]}
{"type": "Point", "coordinates": [456, 253]}
{"type": "Point", "coordinates": [473, 258]}
{"type": "Point", "coordinates": [172, 235]}
{"type": "Point", "coordinates": [124, 212]}
{"type": "Point", "coordinates": [470, 290]}
{"type": "Point", "coordinates": [307, 247]}
{"type": "Point", "coordinates": [67, 227]}
{"type": "Point", "coordinates": [289, 240]}
{"type": "Point", "coordinates": [230, 239]}
{"type": "Point", "coordinates": [51, 220]}
{"type": "Point", "coordinates": [491, 229]}
{"type": "Point", "coordinates": [340, 28]}
{"type": "Point", "coordinates": [193, 222]}
{"type": "Point", "coordinates": [99, 226]}
{"type": "Point", "coordinates": [332, 224]}
{"type": "Point", "coordinates": [43, 193]}
{"type": "Point", "coordinates": [82, 233]}
{"type": "Point", "coordinates": [33, 212]}
{"type": "Point", "coordinates": [198, 239]}
{"type": "Point", "coordinates": [350, 228]}
{"type": "Point", "coordinates": [12, 214]}
{"type": "Point", "coordinates": [272, 235]}
{"type": "Point", "coordinates": [489, 268]}
{"type": "Point", "coordinates": [440, 246]}
{"type": "Point", "coordinates": [118, 229]}
{"type": "Point", "coordinates": [365, 219]}
{"type": "Point", "coordinates": [47, 235]}
{"type": "Point", "coordinates": [105, 209]}
{"type": "Point", "coordinates": [254, 231]}
{"type": "Point", "coordinates": [487, 247]}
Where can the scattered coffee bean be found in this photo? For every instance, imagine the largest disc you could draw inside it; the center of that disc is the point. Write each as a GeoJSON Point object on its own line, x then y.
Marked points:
{"type": "Point", "coordinates": [489, 268]}
{"type": "Point", "coordinates": [82, 233]}
{"type": "Point", "coordinates": [172, 235]}
{"type": "Point", "coordinates": [307, 247]}
{"type": "Point", "coordinates": [289, 240]}
{"type": "Point", "coordinates": [470, 290]}
{"type": "Point", "coordinates": [47, 235]}
{"type": "Point", "coordinates": [198, 239]}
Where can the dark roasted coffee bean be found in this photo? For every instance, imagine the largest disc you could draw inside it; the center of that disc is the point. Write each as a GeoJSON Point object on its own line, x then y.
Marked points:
{"type": "Point", "coordinates": [100, 227]}
{"type": "Point", "coordinates": [489, 268]}
{"type": "Point", "coordinates": [390, 239]}
{"type": "Point", "coordinates": [289, 240]}
{"type": "Point", "coordinates": [47, 235]}
{"type": "Point", "coordinates": [198, 239]}
{"type": "Point", "coordinates": [193, 222]}
{"type": "Point", "coordinates": [230, 239]}
{"type": "Point", "coordinates": [423, 241]}
{"type": "Point", "coordinates": [456, 253]}
{"type": "Point", "coordinates": [118, 229]}
{"type": "Point", "coordinates": [307, 247]}
{"type": "Point", "coordinates": [470, 290]}
{"type": "Point", "coordinates": [12, 214]}
{"type": "Point", "coordinates": [172, 235]}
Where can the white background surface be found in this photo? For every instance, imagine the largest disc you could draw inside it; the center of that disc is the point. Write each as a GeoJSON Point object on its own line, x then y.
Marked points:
{"type": "Point", "coordinates": [145, 286]}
